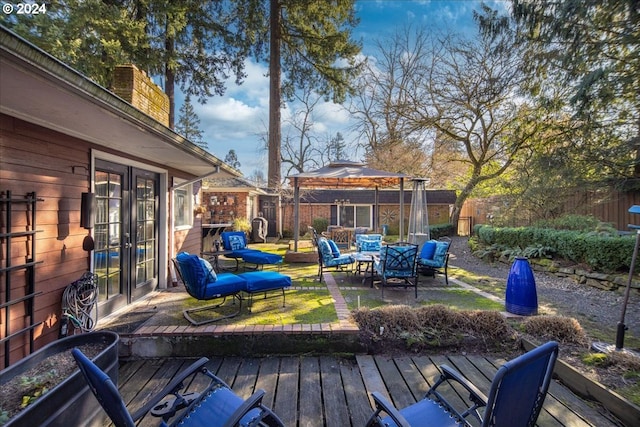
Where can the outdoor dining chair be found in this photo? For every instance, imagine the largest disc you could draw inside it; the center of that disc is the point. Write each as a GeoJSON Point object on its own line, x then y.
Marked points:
{"type": "Point", "coordinates": [515, 398]}
{"type": "Point", "coordinates": [397, 266]}
{"type": "Point", "coordinates": [215, 406]}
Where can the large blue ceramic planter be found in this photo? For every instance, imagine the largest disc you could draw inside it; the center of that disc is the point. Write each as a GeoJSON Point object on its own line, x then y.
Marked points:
{"type": "Point", "coordinates": [521, 297]}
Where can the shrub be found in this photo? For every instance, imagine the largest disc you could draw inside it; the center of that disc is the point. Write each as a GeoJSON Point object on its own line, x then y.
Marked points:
{"type": "Point", "coordinates": [570, 222]}
{"type": "Point", "coordinates": [440, 230]}
{"type": "Point", "coordinates": [241, 224]}
{"type": "Point", "coordinates": [320, 224]}
{"type": "Point", "coordinates": [559, 328]}
{"type": "Point", "coordinates": [599, 251]}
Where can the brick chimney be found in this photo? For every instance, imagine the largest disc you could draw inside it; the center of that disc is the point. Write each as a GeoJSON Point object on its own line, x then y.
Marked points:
{"type": "Point", "coordinates": [134, 86]}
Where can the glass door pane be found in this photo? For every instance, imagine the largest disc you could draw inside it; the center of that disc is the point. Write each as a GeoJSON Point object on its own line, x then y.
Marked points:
{"type": "Point", "coordinates": [146, 230]}
{"type": "Point", "coordinates": [108, 234]}
{"type": "Point", "coordinates": [363, 216]}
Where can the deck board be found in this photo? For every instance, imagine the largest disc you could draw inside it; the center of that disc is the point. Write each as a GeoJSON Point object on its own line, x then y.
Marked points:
{"type": "Point", "coordinates": [329, 391]}
{"type": "Point", "coordinates": [310, 393]}
{"type": "Point", "coordinates": [334, 400]}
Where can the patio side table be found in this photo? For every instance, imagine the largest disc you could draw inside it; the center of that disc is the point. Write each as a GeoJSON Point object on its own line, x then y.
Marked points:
{"type": "Point", "coordinates": [366, 259]}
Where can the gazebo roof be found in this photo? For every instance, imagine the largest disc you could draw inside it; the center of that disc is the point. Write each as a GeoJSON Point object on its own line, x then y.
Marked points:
{"type": "Point", "coordinates": [346, 174]}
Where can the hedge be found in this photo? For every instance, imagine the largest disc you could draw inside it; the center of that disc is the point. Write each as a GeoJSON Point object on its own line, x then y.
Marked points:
{"type": "Point", "coordinates": [601, 253]}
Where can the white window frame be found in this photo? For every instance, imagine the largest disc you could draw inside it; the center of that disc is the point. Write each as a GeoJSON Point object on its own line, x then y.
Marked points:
{"type": "Point", "coordinates": [183, 202]}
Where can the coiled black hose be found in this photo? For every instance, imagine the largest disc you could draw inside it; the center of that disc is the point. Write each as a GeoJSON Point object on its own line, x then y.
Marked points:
{"type": "Point", "coordinates": [78, 302]}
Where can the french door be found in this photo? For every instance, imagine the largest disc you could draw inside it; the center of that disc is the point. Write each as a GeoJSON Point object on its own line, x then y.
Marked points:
{"type": "Point", "coordinates": [125, 256]}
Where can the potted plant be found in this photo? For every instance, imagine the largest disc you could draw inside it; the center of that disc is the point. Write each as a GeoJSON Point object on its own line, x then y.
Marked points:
{"type": "Point", "coordinates": [69, 400]}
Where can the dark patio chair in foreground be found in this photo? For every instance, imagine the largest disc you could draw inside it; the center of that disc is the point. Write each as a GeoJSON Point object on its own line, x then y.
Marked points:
{"type": "Point", "coordinates": [214, 406]}
{"type": "Point", "coordinates": [397, 266]}
{"type": "Point", "coordinates": [515, 398]}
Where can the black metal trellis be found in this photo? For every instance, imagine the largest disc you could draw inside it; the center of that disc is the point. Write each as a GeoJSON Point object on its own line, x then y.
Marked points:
{"type": "Point", "coordinates": [9, 207]}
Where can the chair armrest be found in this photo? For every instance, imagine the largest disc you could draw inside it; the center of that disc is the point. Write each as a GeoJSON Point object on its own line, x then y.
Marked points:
{"type": "Point", "coordinates": [254, 401]}
{"type": "Point", "coordinates": [383, 404]}
{"type": "Point", "coordinates": [475, 395]}
{"type": "Point", "coordinates": [171, 388]}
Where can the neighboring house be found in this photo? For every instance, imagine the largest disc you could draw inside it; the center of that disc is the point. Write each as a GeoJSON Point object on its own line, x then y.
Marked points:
{"type": "Point", "coordinates": [62, 135]}
{"type": "Point", "coordinates": [224, 199]}
{"type": "Point", "coordinates": [356, 208]}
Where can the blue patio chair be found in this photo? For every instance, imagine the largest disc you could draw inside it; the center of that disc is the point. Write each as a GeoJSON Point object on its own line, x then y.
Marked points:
{"type": "Point", "coordinates": [215, 405]}
{"type": "Point", "coordinates": [434, 258]}
{"type": "Point", "coordinates": [515, 399]}
{"type": "Point", "coordinates": [369, 243]}
{"type": "Point", "coordinates": [202, 283]}
{"type": "Point", "coordinates": [329, 256]}
{"type": "Point", "coordinates": [397, 266]}
{"type": "Point", "coordinates": [236, 242]}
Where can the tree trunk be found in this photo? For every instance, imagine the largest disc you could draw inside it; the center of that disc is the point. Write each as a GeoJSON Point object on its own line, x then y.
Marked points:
{"type": "Point", "coordinates": [170, 79]}
{"type": "Point", "coordinates": [460, 199]}
{"type": "Point", "coordinates": [275, 71]}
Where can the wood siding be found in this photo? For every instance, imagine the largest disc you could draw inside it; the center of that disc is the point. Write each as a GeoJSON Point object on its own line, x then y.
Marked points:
{"type": "Point", "coordinates": [57, 168]}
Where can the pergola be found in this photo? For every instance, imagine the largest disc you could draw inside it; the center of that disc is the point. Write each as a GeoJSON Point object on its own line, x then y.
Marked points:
{"type": "Point", "coordinates": [345, 174]}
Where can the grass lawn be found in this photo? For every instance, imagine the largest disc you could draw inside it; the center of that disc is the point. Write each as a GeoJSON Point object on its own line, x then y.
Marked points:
{"type": "Point", "coordinates": [309, 301]}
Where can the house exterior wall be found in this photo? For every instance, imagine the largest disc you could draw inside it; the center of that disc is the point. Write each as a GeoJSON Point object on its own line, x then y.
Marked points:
{"type": "Point", "coordinates": [223, 207]}
{"type": "Point", "coordinates": [389, 214]}
{"type": "Point", "coordinates": [58, 168]}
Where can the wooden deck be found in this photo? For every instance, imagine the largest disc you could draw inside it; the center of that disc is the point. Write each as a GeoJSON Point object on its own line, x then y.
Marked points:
{"type": "Point", "coordinates": [335, 392]}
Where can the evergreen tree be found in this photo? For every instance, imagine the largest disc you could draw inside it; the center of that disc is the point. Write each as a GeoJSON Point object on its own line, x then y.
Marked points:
{"type": "Point", "coordinates": [232, 159]}
{"type": "Point", "coordinates": [195, 44]}
{"type": "Point", "coordinates": [337, 148]}
{"type": "Point", "coordinates": [309, 46]}
{"type": "Point", "coordinates": [591, 47]}
{"type": "Point", "coordinates": [189, 124]}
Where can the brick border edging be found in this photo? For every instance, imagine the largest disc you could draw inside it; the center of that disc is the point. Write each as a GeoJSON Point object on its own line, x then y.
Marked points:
{"type": "Point", "coordinates": [345, 323]}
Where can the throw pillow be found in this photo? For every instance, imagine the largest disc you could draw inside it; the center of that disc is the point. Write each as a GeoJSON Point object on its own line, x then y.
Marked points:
{"type": "Point", "coordinates": [211, 273]}
{"type": "Point", "coordinates": [428, 249]}
{"type": "Point", "coordinates": [236, 243]}
{"type": "Point", "coordinates": [335, 251]}
{"type": "Point", "coordinates": [441, 252]}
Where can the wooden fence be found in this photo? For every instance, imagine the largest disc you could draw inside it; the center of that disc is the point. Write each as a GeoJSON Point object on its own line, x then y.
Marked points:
{"type": "Point", "coordinates": [611, 206]}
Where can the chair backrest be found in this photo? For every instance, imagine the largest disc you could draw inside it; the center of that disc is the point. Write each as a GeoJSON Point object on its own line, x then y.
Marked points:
{"type": "Point", "coordinates": [399, 258]}
{"type": "Point", "coordinates": [233, 240]}
{"type": "Point", "coordinates": [436, 250]}
{"type": "Point", "coordinates": [314, 235]}
{"type": "Point", "coordinates": [325, 253]}
{"type": "Point", "coordinates": [369, 242]}
{"type": "Point", "coordinates": [104, 390]}
{"type": "Point", "coordinates": [442, 249]}
{"type": "Point", "coordinates": [519, 388]}
{"type": "Point", "coordinates": [195, 273]}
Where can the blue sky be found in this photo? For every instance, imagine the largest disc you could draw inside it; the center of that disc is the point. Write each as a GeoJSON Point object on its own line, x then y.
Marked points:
{"type": "Point", "coordinates": [239, 119]}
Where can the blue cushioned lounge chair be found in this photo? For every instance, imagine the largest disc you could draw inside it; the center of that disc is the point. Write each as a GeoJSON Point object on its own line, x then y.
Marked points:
{"type": "Point", "coordinates": [236, 242]}
{"type": "Point", "coordinates": [515, 398]}
{"type": "Point", "coordinates": [213, 406]}
{"type": "Point", "coordinates": [203, 283]}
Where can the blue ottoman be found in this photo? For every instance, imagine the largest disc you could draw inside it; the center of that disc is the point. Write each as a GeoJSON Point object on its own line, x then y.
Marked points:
{"type": "Point", "coordinates": [260, 258]}
{"type": "Point", "coordinates": [265, 281]}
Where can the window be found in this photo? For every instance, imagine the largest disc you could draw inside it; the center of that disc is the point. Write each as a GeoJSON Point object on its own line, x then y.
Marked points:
{"type": "Point", "coordinates": [351, 215]}
{"type": "Point", "coordinates": [183, 206]}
